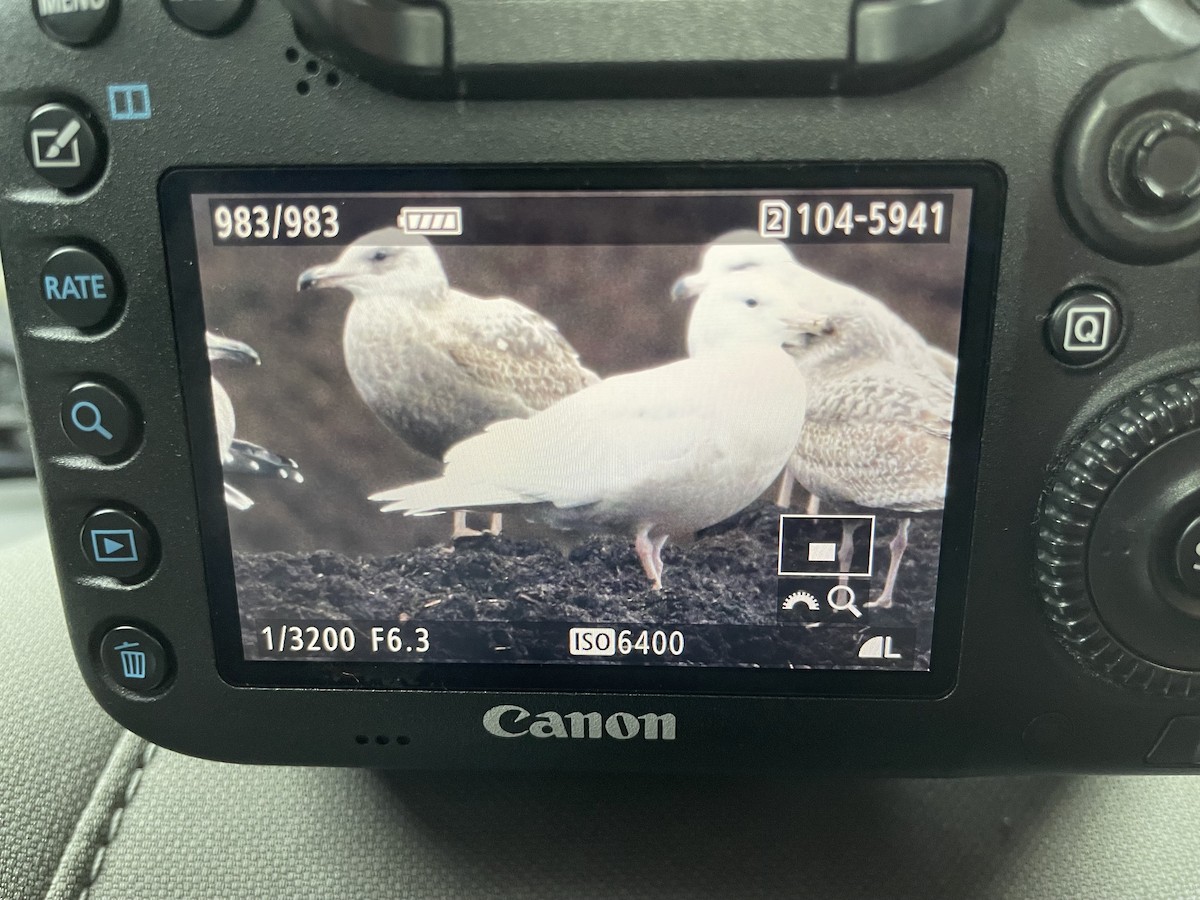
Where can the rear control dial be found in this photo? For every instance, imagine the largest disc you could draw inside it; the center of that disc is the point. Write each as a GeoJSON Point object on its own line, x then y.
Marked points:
{"type": "Point", "coordinates": [1119, 541]}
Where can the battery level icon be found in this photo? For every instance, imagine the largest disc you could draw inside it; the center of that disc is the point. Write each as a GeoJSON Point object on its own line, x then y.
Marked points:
{"type": "Point", "coordinates": [431, 220]}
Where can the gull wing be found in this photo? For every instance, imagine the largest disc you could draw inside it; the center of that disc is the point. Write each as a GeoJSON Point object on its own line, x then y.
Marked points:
{"type": "Point", "coordinates": [509, 348]}
{"type": "Point", "coordinates": [602, 442]}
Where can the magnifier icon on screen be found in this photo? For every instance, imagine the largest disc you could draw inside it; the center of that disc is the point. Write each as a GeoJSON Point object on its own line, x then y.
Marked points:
{"type": "Point", "coordinates": [95, 417]}
{"type": "Point", "coordinates": [841, 598]}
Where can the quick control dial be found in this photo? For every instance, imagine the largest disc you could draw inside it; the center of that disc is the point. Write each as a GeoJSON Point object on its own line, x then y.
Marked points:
{"type": "Point", "coordinates": [1113, 526]}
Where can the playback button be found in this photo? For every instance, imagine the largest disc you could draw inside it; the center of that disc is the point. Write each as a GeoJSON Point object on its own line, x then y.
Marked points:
{"type": "Point", "coordinates": [115, 543]}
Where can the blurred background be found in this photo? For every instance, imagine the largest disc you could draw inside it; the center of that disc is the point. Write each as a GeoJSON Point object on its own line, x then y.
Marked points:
{"type": "Point", "coordinates": [20, 503]}
{"type": "Point", "coordinates": [611, 302]}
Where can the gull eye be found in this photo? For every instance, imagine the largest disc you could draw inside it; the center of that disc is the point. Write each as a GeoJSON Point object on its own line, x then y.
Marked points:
{"type": "Point", "coordinates": [379, 255]}
{"type": "Point", "coordinates": [750, 302]}
{"type": "Point", "coordinates": [741, 267]}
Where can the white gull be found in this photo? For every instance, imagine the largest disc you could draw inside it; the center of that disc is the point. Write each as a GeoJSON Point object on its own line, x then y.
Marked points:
{"type": "Point", "coordinates": [667, 450]}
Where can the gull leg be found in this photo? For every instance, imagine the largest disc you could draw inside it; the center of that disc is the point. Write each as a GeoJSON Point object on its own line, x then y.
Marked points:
{"type": "Point", "coordinates": [496, 523]}
{"type": "Point", "coordinates": [898, 545]}
{"type": "Point", "coordinates": [846, 549]}
{"type": "Point", "coordinates": [461, 530]}
{"type": "Point", "coordinates": [787, 481]}
{"type": "Point", "coordinates": [646, 553]}
{"type": "Point", "coordinates": [657, 545]}
{"type": "Point", "coordinates": [814, 505]}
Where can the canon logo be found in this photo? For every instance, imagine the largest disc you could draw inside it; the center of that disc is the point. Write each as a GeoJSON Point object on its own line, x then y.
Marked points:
{"type": "Point", "coordinates": [515, 721]}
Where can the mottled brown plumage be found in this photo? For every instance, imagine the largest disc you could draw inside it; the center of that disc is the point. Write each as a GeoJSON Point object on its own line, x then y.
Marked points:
{"type": "Point", "coordinates": [438, 365]}
{"type": "Point", "coordinates": [880, 397]}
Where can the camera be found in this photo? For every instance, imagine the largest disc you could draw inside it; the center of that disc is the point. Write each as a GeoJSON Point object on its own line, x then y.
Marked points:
{"type": "Point", "coordinates": [795, 387]}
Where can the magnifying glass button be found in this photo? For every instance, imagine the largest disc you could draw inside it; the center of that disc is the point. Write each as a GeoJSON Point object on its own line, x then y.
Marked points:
{"type": "Point", "coordinates": [99, 421]}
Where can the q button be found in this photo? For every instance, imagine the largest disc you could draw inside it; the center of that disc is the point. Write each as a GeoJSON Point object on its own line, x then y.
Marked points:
{"type": "Point", "coordinates": [99, 421]}
{"type": "Point", "coordinates": [1084, 327]}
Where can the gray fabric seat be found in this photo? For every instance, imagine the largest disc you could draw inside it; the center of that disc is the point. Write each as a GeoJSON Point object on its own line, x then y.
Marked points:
{"type": "Point", "coordinates": [89, 810]}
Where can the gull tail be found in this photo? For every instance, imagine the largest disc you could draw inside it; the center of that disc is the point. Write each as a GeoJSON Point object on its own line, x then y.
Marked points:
{"type": "Point", "coordinates": [251, 459]}
{"type": "Point", "coordinates": [235, 499]}
{"type": "Point", "coordinates": [426, 498]}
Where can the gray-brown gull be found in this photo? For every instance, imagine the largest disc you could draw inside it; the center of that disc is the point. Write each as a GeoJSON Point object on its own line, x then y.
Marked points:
{"type": "Point", "coordinates": [435, 364]}
{"type": "Point", "coordinates": [880, 396]}
{"type": "Point", "coordinates": [238, 456]}
{"type": "Point", "coordinates": [663, 451]}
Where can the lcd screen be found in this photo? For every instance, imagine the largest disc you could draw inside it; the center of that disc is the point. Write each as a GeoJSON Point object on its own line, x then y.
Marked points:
{"type": "Point", "coordinates": [592, 428]}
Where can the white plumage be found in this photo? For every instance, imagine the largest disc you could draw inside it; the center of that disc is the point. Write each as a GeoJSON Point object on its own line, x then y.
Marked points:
{"type": "Point", "coordinates": [880, 396]}
{"type": "Point", "coordinates": [435, 364]}
{"type": "Point", "coordinates": [664, 451]}
{"type": "Point", "coordinates": [226, 426]}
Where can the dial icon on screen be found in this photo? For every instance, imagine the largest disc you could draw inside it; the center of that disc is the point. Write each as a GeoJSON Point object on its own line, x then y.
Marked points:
{"type": "Point", "coordinates": [801, 598]}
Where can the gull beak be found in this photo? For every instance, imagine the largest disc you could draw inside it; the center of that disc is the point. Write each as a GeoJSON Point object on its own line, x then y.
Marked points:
{"type": "Point", "coordinates": [819, 325]}
{"type": "Point", "coordinates": [316, 277]}
{"type": "Point", "coordinates": [805, 331]}
{"type": "Point", "coordinates": [686, 288]}
{"type": "Point", "coordinates": [227, 349]}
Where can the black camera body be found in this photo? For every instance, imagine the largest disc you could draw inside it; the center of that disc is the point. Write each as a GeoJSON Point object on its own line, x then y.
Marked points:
{"type": "Point", "coordinates": [1011, 193]}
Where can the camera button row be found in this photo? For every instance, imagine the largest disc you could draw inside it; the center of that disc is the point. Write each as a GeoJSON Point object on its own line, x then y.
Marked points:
{"type": "Point", "coordinates": [211, 17]}
{"type": "Point", "coordinates": [79, 23]}
{"type": "Point", "coordinates": [1084, 327]}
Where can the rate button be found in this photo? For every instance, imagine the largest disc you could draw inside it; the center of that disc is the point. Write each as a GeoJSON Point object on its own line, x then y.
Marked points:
{"type": "Point", "coordinates": [79, 288]}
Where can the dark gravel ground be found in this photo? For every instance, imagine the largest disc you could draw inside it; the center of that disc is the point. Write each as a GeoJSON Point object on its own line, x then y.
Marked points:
{"type": "Point", "coordinates": [726, 576]}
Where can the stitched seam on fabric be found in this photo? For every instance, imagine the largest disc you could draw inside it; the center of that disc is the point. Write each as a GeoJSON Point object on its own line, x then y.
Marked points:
{"type": "Point", "coordinates": [115, 818]}
{"type": "Point", "coordinates": [96, 787]}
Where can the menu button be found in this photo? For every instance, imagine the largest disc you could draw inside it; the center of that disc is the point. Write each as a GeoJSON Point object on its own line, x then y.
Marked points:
{"type": "Point", "coordinates": [75, 22]}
